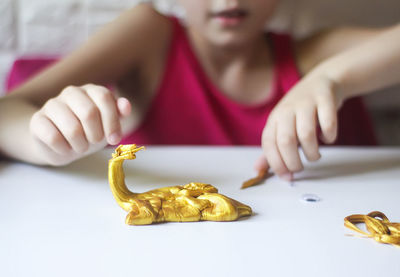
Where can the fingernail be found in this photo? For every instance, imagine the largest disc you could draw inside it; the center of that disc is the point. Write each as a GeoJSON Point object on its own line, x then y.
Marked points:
{"type": "Point", "coordinates": [287, 177]}
{"type": "Point", "coordinates": [114, 138]}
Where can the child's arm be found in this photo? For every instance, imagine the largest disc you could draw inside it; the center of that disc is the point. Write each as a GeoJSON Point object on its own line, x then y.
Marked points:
{"type": "Point", "coordinates": [56, 117]}
{"type": "Point", "coordinates": [314, 101]}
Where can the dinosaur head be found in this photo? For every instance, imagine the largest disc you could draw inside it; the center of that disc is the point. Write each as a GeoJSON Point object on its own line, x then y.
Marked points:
{"type": "Point", "coordinates": [127, 151]}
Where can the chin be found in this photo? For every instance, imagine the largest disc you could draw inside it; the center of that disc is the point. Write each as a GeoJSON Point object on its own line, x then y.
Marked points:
{"type": "Point", "coordinates": [229, 39]}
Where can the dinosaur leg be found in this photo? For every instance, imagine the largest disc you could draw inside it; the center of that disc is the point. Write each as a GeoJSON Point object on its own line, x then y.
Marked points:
{"type": "Point", "coordinates": [142, 213]}
{"type": "Point", "coordinates": [183, 209]}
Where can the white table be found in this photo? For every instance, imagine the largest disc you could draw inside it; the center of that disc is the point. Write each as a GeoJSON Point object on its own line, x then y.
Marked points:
{"type": "Point", "coordinates": [65, 221]}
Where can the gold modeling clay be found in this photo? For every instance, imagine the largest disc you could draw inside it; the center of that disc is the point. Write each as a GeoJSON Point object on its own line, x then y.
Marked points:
{"type": "Point", "coordinates": [262, 175]}
{"type": "Point", "coordinates": [378, 226]}
{"type": "Point", "coordinates": [191, 202]}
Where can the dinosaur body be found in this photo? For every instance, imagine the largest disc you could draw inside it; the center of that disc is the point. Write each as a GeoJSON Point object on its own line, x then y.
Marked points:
{"type": "Point", "coordinates": [191, 202]}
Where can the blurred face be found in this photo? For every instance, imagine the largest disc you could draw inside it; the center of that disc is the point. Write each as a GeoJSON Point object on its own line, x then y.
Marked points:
{"type": "Point", "coordinates": [228, 22]}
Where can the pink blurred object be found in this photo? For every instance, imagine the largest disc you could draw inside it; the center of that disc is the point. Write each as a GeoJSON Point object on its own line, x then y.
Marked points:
{"type": "Point", "coordinates": [24, 68]}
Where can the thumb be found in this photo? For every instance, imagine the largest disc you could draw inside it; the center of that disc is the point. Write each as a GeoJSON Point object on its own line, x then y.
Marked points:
{"type": "Point", "coordinates": [124, 106]}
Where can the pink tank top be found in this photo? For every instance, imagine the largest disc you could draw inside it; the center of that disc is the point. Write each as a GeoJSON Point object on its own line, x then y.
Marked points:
{"type": "Point", "coordinates": [188, 109]}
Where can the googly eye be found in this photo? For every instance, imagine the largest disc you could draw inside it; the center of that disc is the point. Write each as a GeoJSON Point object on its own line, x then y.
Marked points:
{"type": "Point", "coordinates": [310, 198]}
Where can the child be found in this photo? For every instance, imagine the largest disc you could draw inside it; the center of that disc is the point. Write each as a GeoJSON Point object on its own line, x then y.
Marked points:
{"type": "Point", "coordinates": [146, 79]}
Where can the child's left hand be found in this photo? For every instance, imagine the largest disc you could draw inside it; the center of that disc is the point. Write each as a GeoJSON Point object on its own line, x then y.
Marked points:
{"type": "Point", "coordinates": [293, 122]}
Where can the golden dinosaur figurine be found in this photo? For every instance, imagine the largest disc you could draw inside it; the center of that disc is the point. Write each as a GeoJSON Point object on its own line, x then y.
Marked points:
{"type": "Point", "coordinates": [378, 225]}
{"type": "Point", "coordinates": [191, 202]}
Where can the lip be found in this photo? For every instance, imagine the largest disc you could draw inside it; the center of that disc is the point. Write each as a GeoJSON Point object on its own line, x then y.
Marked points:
{"type": "Point", "coordinates": [230, 17]}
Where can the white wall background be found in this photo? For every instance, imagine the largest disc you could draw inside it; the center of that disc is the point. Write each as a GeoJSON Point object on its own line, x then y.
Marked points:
{"type": "Point", "coordinates": [46, 27]}
{"type": "Point", "coordinates": [29, 27]}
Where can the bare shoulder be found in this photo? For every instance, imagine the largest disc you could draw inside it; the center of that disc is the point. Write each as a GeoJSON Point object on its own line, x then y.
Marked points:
{"type": "Point", "coordinates": [318, 47]}
{"type": "Point", "coordinates": [121, 45]}
{"type": "Point", "coordinates": [137, 33]}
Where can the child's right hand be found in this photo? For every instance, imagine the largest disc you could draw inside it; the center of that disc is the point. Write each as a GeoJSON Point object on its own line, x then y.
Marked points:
{"type": "Point", "coordinates": [79, 121]}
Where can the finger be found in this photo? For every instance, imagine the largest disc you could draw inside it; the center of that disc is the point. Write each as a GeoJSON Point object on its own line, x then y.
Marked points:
{"type": "Point", "coordinates": [44, 129]}
{"type": "Point", "coordinates": [307, 134]}
{"type": "Point", "coordinates": [106, 103]}
{"type": "Point", "coordinates": [261, 164]}
{"type": "Point", "coordinates": [124, 106]}
{"type": "Point", "coordinates": [86, 111]}
{"type": "Point", "coordinates": [287, 142]}
{"type": "Point", "coordinates": [67, 123]}
{"type": "Point", "coordinates": [272, 154]}
{"type": "Point", "coordinates": [327, 119]}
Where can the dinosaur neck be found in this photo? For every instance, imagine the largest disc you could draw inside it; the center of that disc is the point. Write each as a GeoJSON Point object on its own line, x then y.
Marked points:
{"type": "Point", "coordinates": [116, 177]}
